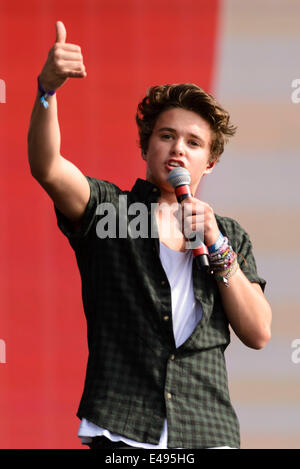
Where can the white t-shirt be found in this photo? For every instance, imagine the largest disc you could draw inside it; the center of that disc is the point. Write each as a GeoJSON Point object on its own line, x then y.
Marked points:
{"type": "Point", "coordinates": [186, 313]}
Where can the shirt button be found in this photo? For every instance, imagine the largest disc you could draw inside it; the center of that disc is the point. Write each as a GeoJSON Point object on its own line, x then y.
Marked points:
{"type": "Point", "coordinates": [163, 282]}
{"type": "Point", "coordinates": [169, 395]}
{"type": "Point", "coordinates": [154, 189]}
{"type": "Point", "coordinates": [172, 357]}
{"type": "Point", "coordinates": [166, 318]}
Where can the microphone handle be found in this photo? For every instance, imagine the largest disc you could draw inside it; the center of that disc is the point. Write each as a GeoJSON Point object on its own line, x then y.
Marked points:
{"type": "Point", "coordinates": [200, 252]}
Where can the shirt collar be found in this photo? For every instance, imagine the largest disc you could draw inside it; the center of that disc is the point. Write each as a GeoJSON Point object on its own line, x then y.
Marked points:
{"type": "Point", "coordinates": [145, 190]}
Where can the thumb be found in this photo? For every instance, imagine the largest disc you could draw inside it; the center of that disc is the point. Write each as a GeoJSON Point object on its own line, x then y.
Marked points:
{"type": "Point", "coordinates": [61, 32]}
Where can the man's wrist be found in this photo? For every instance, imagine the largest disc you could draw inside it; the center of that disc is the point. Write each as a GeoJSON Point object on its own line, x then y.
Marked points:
{"type": "Point", "coordinates": [44, 93]}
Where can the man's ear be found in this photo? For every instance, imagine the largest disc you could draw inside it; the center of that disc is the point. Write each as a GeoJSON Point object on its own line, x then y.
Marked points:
{"type": "Point", "coordinates": [144, 155]}
{"type": "Point", "coordinates": [210, 166]}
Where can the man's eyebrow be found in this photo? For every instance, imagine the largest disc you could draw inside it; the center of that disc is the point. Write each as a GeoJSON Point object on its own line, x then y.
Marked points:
{"type": "Point", "coordinates": [170, 129]}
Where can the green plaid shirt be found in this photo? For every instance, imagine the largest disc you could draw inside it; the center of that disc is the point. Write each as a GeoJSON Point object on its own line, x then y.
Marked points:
{"type": "Point", "coordinates": [136, 377]}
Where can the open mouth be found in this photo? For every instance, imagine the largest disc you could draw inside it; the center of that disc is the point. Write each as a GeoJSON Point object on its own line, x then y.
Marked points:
{"type": "Point", "coordinates": [171, 164]}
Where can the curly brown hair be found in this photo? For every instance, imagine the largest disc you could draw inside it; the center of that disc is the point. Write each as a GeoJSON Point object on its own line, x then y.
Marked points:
{"type": "Point", "coordinates": [192, 98]}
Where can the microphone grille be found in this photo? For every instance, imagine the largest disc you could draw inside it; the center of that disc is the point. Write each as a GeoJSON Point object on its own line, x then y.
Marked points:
{"type": "Point", "coordinates": [179, 177]}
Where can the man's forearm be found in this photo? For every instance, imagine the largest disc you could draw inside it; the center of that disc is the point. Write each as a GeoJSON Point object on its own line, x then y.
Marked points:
{"type": "Point", "coordinates": [247, 310]}
{"type": "Point", "coordinates": [43, 138]}
{"type": "Point", "coordinates": [64, 61]}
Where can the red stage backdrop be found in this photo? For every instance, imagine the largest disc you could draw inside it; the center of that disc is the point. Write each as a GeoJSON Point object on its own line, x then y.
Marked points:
{"type": "Point", "coordinates": [128, 45]}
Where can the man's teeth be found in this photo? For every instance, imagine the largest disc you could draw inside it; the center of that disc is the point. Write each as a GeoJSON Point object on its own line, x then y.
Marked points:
{"type": "Point", "coordinates": [173, 163]}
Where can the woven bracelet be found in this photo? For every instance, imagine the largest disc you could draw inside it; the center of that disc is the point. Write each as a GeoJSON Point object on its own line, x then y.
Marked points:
{"type": "Point", "coordinates": [44, 94]}
{"type": "Point", "coordinates": [225, 275]}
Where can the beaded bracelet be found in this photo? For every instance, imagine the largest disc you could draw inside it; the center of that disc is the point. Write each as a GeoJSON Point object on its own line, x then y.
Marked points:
{"type": "Point", "coordinates": [223, 262]}
{"type": "Point", "coordinates": [223, 276]}
{"type": "Point", "coordinates": [44, 94]}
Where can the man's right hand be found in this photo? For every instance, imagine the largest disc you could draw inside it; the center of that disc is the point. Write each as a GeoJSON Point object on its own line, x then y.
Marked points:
{"type": "Point", "coordinates": [64, 61]}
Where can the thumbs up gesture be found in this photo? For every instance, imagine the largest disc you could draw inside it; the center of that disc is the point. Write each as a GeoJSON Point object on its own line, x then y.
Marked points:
{"type": "Point", "coordinates": [64, 61]}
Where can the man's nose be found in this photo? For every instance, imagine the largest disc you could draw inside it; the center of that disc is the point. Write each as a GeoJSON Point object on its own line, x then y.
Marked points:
{"type": "Point", "coordinates": [178, 147]}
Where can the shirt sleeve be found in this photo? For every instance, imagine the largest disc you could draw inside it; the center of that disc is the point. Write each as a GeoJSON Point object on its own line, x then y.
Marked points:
{"type": "Point", "coordinates": [100, 192]}
{"type": "Point", "coordinates": [240, 241]}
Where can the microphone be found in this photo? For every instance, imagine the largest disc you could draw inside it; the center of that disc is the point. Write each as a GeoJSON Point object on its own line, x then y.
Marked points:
{"type": "Point", "coordinates": [180, 179]}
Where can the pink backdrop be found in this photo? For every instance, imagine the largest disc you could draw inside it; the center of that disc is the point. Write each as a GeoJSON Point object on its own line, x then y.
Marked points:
{"type": "Point", "coordinates": [128, 45]}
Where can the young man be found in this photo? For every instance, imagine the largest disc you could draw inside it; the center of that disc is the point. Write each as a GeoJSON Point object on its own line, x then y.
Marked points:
{"type": "Point", "coordinates": [157, 325]}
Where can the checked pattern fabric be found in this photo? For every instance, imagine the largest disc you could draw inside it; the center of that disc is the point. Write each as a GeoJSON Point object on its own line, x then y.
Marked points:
{"type": "Point", "coordinates": [136, 377]}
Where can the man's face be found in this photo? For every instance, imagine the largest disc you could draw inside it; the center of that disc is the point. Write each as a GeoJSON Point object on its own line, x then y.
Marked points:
{"type": "Point", "coordinates": [179, 138]}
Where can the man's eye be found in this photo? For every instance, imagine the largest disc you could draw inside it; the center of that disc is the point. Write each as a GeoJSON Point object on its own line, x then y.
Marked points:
{"type": "Point", "coordinates": [166, 136]}
{"type": "Point", "coordinates": [194, 143]}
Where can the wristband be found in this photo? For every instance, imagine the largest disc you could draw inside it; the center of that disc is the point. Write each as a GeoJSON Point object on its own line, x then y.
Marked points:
{"type": "Point", "coordinates": [44, 94]}
{"type": "Point", "coordinates": [214, 247]}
